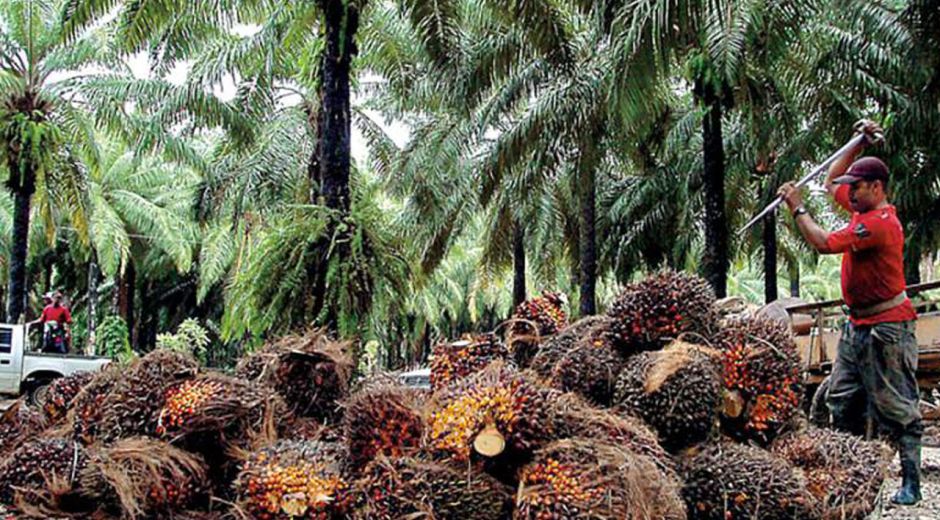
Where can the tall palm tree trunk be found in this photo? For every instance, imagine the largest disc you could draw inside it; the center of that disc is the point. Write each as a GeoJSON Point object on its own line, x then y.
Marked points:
{"type": "Point", "coordinates": [518, 264]}
{"type": "Point", "coordinates": [715, 263]}
{"type": "Point", "coordinates": [794, 275]}
{"type": "Point", "coordinates": [126, 287]}
{"type": "Point", "coordinates": [341, 23]}
{"type": "Point", "coordinates": [588, 241]}
{"type": "Point", "coordinates": [92, 305]}
{"type": "Point", "coordinates": [770, 258]}
{"type": "Point", "coordinates": [16, 304]}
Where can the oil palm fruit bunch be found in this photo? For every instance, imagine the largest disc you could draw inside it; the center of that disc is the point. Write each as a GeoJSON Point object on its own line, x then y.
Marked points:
{"type": "Point", "coordinates": [677, 391]}
{"type": "Point", "coordinates": [38, 461]}
{"type": "Point", "coordinates": [552, 350]}
{"type": "Point", "coordinates": [572, 416]}
{"type": "Point", "coordinates": [452, 361]}
{"type": "Point", "coordinates": [214, 403]}
{"type": "Point", "coordinates": [58, 400]}
{"type": "Point", "coordinates": [843, 472]}
{"type": "Point", "coordinates": [311, 371]}
{"type": "Point", "coordinates": [139, 477]}
{"type": "Point", "coordinates": [382, 420]}
{"type": "Point", "coordinates": [87, 409]}
{"type": "Point", "coordinates": [761, 377]}
{"type": "Point", "coordinates": [19, 423]}
{"type": "Point", "coordinates": [533, 320]}
{"type": "Point", "coordinates": [497, 415]}
{"type": "Point", "coordinates": [584, 478]}
{"type": "Point", "coordinates": [405, 487]}
{"type": "Point", "coordinates": [589, 369]}
{"type": "Point", "coordinates": [132, 406]}
{"type": "Point", "coordinates": [650, 313]}
{"type": "Point", "coordinates": [727, 480]}
{"type": "Point", "coordinates": [295, 479]}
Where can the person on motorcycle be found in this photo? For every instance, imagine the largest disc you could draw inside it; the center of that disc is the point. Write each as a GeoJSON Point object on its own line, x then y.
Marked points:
{"type": "Point", "coordinates": [56, 319]}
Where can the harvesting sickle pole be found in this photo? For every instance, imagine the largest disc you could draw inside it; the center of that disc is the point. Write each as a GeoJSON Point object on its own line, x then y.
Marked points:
{"type": "Point", "coordinates": [859, 138]}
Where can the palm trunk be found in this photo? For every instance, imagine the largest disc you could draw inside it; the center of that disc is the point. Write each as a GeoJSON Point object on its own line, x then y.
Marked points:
{"type": "Point", "coordinates": [341, 24]}
{"type": "Point", "coordinates": [92, 305]}
{"type": "Point", "coordinates": [518, 261]}
{"type": "Point", "coordinates": [126, 289]}
{"type": "Point", "coordinates": [715, 263]}
{"type": "Point", "coordinates": [16, 304]}
{"type": "Point", "coordinates": [770, 258]}
{"type": "Point", "coordinates": [588, 241]}
{"type": "Point", "coordinates": [795, 280]}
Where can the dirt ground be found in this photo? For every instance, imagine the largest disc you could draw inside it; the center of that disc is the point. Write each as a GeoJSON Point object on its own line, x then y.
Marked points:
{"type": "Point", "coordinates": [929, 508]}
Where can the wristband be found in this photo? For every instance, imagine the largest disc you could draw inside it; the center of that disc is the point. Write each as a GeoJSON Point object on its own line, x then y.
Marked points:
{"type": "Point", "coordinates": [800, 210]}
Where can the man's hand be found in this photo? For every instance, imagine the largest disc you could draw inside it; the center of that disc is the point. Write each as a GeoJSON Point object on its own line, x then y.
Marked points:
{"type": "Point", "coordinates": [871, 129]}
{"type": "Point", "coordinates": [791, 195]}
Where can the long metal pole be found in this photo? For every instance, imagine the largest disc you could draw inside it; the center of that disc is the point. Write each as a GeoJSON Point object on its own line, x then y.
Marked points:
{"type": "Point", "coordinates": [854, 142]}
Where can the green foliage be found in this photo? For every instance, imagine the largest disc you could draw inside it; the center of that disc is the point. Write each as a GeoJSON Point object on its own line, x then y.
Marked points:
{"type": "Point", "coordinates": [112, 339]}
{"type": "Point", "coordinates": [190, 338]}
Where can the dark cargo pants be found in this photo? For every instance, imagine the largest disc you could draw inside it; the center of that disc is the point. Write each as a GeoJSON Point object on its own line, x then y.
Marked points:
{"type": "Point", "coordinates": [875, 374]}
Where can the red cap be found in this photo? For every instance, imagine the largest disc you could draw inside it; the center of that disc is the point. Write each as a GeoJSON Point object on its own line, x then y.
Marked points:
{"type": "Point", "coordinates": [865, 169]}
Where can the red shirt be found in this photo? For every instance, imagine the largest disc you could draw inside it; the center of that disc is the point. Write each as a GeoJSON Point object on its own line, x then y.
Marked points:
{"type": "Point", "coordinates": [872, 261]}
{"type": "Point", "coordinates": [58, 314]}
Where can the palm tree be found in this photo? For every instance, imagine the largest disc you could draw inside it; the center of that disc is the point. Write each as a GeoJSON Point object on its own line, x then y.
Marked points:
{"type": "Point", "coordinates": [40, 123]}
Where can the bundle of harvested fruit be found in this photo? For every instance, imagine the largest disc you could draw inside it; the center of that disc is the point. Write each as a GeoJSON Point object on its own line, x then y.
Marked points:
{"type": "Point", "coordinates": [37, 465]}
{"type": "Point", "coordinates": [459, 359]}
{"type": "Point", "coordinates": [584, 478]}
{"type": "Point", "coordinates": [132, 406]}
{"type": "Point", "coordinates": [584, 331]}
{"type": "Point", "coordinates": [761, 376]}
{"type": "Point", "coordinates": [843, 472]}
{"type": "Point", "coordinates": [19, 423]}
{"type": "Point", "coordinates": [728, 480]}
{"type": "Point", "coordinates": [295, 479]}
{"type": "Point", "coordinates": [382, 420]}
{"type": "Point", "coordinates": [404, 487]}
{"type": "Point", "coordinates": [650, 313]}
{"type": "Point", "coordinates": [58, 400]}
{"type": "Point", "coordinates": [677, 391]}
{"type": "Point", "coordinates": [496, 414]}
{"type": "Point", "coordinates": [311, 371]}
{"type": "Point", "coordinates": [589, 369]}
{"type": "Point", "coordinates": [533, 321]}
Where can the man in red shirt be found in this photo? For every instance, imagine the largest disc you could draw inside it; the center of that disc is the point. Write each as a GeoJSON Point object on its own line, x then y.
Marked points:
{"type": "Point", "coordinates": [58, 313]}
{"type": "Point", "coordinates": [876, 361]}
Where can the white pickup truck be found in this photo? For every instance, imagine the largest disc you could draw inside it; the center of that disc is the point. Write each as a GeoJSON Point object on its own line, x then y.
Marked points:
{"type": "Point", "coordinates": [26, 372]}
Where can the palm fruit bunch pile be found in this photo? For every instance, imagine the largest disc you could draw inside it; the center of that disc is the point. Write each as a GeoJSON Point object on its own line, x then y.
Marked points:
{"type": "Point", "coordinates": [214, 403]}
{"type": "Point", "coordinates": [533, 320]}
{"type": "Point", "coordinates": [310, 371]}
{"type": "Point", "coordinates": [37, 463]}
{"type": "Point", "coordinates": [405, 487]}
{"type": "Point", "coordinates": [62, 391]}
{"type": "Point", "coordinates": [382, 420]}
{"type": "Point", "coordinates": [761, 376]}
{"type": "Point", "coordinates": [677, 391]}
{"type": "Point", "coordinates": [132, 406]}
{"type": "Point", "coordinates": [497, 414]}
{"type": "Point", "coordinates": [585, 330]}
{"type": "Point", "coordinates": [19, 423]}
{"type": "Point", "coordinates": [590, 369]}
{"type": "Point", "coordinates": [139, 477]}
{"type": "Point", "coordinates": [583, 478]}
{"type": "Point", "coordinates": [650, 313]}
{"type": "Point", "coordinates": [844, 473]}
{"type": "Point", "coordinates": [453, 361]}
{"type": "Point", "coordinates": [87, 408]}
{"type": "Point", "coordinates": [726, 480]}
{"type": "Point", "coordinates": [295, 479]}
{"type": "Point", "coordinates": [572, 416]}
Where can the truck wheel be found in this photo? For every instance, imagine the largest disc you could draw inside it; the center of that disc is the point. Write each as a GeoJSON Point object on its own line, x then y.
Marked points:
{"type": "Point", "coordinates": [818, 409]}
{"type": "Point", "coordinates": [38, 393]}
